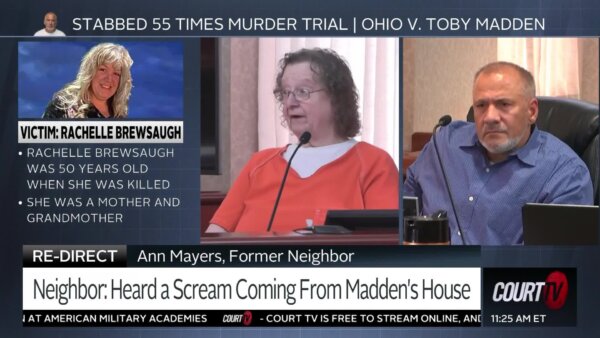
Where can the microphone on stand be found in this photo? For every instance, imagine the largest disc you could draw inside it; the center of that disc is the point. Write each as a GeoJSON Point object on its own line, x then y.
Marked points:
{"type": "Point", "coordinates": [304, 138]}
{"type": "Point", "coordinates": [444, 121]}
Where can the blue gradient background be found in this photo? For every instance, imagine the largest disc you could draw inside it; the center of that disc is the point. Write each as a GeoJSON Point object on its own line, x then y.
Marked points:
{"type": "Point", "coordinates": [157, 73]}
{"type": "Point", "coordinates": [563, 18]}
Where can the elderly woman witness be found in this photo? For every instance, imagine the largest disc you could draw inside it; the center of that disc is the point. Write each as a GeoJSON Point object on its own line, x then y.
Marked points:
{"type": "Point", "coordinates": [317, 94]}
{"type": "Point", "coordinates": [100, 90]}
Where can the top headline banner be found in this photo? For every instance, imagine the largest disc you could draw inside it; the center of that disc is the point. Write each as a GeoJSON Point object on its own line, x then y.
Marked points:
{"type": "Point", "coordinates": [400, 25]}
{"type": "Point", "coordinates": [318, 18]}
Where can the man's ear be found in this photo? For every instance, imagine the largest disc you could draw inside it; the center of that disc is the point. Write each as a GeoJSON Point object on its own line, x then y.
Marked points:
{"type": "Point", "coordinates": [533, 110]}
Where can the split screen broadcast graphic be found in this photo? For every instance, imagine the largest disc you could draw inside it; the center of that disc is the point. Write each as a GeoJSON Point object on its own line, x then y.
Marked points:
{"type": "Point", "coordinates": [117, 173]}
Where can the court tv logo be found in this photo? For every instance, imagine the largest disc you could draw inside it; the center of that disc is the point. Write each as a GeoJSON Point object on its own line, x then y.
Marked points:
{"type": "Point", "coordinates": [552, 291]}
{"type": "Point", "coordinates": [245, 318]}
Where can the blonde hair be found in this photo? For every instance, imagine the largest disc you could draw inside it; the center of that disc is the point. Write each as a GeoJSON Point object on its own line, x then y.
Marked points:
{"type": "Point", "coordinates": [75, 97]}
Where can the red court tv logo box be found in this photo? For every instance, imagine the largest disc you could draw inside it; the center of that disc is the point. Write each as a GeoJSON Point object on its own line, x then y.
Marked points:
{"type": "Point", "coordinates": [529, 296]}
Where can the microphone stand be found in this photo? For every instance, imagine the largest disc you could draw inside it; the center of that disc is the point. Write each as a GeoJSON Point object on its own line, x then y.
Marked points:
{"type": "Point", "coordinates": [444, 121]}
{"type": "Point", "coordinates": [304, 138]}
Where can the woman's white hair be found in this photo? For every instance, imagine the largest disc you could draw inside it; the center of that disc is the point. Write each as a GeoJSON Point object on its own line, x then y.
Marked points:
{"type": "Point", "coordinates": [75, 97]}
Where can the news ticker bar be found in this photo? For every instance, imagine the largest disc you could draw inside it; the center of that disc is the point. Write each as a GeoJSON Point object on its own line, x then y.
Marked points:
{"type": "Point", "coordinates": [86, 131]}
{"type": "Point", "coordinates": [241, 318]}
{"type": "Point", "coordinates": [111, 256]}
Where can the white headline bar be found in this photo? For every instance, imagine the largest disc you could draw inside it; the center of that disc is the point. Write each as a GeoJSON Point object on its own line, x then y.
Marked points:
{"type": "Point", "coordinates": [88, 131]}
{"type": "Point", "coordinates": [251, 289]}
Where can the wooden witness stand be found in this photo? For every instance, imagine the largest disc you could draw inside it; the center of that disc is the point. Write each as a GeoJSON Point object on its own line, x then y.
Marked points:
{"type": "Point", "coordinates": [375, 237]}
{"type": "Point", "coordinates": [211, 200]}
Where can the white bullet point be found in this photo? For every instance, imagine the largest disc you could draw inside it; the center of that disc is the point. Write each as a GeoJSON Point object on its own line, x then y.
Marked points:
{"type": "Point", "coordinates": [20, 203]}
{"type": "Point", "coordinates": [20, 153]}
